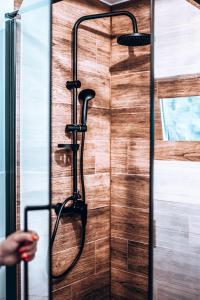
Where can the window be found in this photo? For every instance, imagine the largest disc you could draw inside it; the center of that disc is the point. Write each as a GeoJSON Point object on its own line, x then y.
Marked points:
{"type": "Point", "coordinates": [180, 118]}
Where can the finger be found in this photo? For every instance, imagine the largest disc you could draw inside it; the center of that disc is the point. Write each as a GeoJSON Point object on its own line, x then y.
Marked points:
{"type": "Point", "coordinates": [21, 237]}
{"type": "Point", "coordinates": [28, 256]}
{"type": "Point", "coordinates": [32, 246]}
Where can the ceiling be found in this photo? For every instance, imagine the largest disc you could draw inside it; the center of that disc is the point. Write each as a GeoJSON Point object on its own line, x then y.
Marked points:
{"type": "Point", "coordinates": [113, 2]}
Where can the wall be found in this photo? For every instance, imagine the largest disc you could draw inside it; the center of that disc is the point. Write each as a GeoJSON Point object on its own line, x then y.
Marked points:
{"type": "Point", "coordinates": [90, 279]}
{"type": "Point", "coordinates": [130, 99]}
{"type": "Point", "coordinates": [176, 203]}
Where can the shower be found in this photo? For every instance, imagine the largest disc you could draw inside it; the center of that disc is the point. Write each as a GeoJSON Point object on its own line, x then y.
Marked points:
{"type": "Point", "coordinates": [77, 201]}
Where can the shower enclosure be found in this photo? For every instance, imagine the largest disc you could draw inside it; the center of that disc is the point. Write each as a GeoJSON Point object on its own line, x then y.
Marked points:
{"type": "Point", "coordinates": [25, 134]}
{"type": "Point", "coordinates": [43, 171]}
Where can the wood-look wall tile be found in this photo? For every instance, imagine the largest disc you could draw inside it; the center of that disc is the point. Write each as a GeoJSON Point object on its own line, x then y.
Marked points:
{"type": "Point", "coordinates": [84, 268]}
{"type": "Point", "coordinates": [131, 91]}
{"type": "Point", "coordinates": [61, 188]}
{"type": "Point", "coordinates": [103, 55]}
{"type": "Point", "coordinates": [102, 156]}
{"type": "Point", "coordinates": [119, 154]}
{"type": "Point", "coordinates": [61, 62]}
{"type": "Point", "coordinates": [130, 191]}
{"type": "Point", "coordinates": [98, 125]}
{"type": "Point", "coordinates": [179, 87]}
{"type": "Point", "coordinates": [69, 230]}
{"type": "Point", "coordinates": [101, 84]}
{"type": "Point", "coordinates": [68, 234]}
{"type": "Point", "coordinates": [140, 9]}
{"type": "Point", "coordinates": [163, 290]}
{"type": "Point", "coordinates": [184, 151]}
{"type": "Point", "coordinates": [172, 269]}
{"type": "Point", "coordinates": [119, 253]}
{"type": "Point", "coordinates": [129, 223]}
{"type": "Point", "coordinates": [126, 286]}
{"type": "Point", "coordinates": [138, 157]}
{"type": "Point", "coordinates": [97, 189]}
{"type": "Point", "coordinates": [94, 287]}
{"type": "Point", "coordinates": [129, 125]}
{"type": "Point", "coordinates": [76, 9]}
{"type": "Point", "coordinates": [61, 162]}
{"type": "Point", "coordinates": [87, 53]}
{"type": "Point", "coordinates": [126, 60]}
{"type": "Point", "coordinates": [61, 116]}
{"type": "Point", "coordinates": [172, 239]}
{"type": "Point", "coordinates": [64, 293]}
{"type": "Point", "coordinates": [138, 258]}
{"type": "Point", "coordinates": [98, 226]}
{"type": "Point", "coordinates": [93, 71]}
{"type": "Point", "coordinates": [102, 254]}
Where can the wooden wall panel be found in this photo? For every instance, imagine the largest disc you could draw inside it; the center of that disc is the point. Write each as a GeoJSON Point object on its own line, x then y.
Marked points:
{"type": "Point", "coordinates": [90, 279]}
{"type": "Point", "coordinates": [130, 103]}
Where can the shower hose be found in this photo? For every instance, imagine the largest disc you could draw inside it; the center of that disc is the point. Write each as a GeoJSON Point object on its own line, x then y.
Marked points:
{"type": "Point", "coordinates": [83, 218]}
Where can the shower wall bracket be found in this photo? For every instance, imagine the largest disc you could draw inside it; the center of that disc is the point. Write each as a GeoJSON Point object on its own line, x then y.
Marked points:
{"type": "Point", "coordinates": [75, 84]}
{"type": "Point", "coordinates": [73, 147]}
{"type": "Point", "coordinates": [76, 128]}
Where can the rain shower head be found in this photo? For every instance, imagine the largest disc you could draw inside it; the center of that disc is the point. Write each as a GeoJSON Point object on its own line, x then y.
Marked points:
{"type": "Point", "coordinates": [134, 39]}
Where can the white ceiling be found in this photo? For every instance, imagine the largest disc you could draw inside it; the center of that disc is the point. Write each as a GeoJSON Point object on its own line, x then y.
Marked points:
{"type": "Point", "coordinates": [113, 2]}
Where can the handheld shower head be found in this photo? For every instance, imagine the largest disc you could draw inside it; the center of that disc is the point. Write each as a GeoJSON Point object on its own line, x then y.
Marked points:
{"type": "Point", "coordinates": [134, 39]}
{"type": "Point", "coordinates": [85, 96]}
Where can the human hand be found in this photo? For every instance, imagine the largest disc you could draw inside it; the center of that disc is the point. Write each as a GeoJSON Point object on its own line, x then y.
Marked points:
{"type": "Point", "coordinates": [18, 246]}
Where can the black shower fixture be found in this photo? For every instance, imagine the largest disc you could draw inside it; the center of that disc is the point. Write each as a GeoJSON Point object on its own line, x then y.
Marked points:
{"type": "Point", "coordinates": [134, 39]}
{"type": "Point", "coordinates": [76, 203]}
{"type": "Point", "coordinates": [85, 96]}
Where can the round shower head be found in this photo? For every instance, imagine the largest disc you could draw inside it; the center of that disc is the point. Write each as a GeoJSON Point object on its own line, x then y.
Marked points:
{"type": "Point", "coordinates": [87, 95]}
{"type": "Point", "coordinates": [134, 39]}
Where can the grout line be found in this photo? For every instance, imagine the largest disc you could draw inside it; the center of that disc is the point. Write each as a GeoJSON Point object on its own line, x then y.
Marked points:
{"type": "Point", "coordinates": [95, 260]}
{"type": "Point", "coordinates": [129, 74]}
{"type": "Point", "coordinates": [88, 243]}
{"type": "Point", "coordinates": [132, 208]}
{"type": "Point", "coordinates": [131, 273]}
{"type": "Point", "coordinates": [127, 255]}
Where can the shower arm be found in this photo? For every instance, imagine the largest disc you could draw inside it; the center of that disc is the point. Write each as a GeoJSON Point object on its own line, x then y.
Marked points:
{"type": "Point", "coordinates": [75, 84]}
{"type": "Point", "coordinates": [93, 17]}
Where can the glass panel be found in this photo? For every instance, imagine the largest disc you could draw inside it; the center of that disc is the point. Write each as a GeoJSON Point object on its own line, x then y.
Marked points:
{"type": "Point", "coordinates": [34, 131]}
{"type": "Point", "coordinates": [5, 6]}
{"type": "Point", "coordinates": [181, 118]}
{"type": "Point", "coordinates": [177, 45]}
{"type": "Point", "coordinates": [177, 157]}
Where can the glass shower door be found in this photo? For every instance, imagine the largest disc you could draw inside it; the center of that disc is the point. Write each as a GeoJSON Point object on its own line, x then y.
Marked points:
{"type": "Point", "coordinates": [33, 80]}
{"type": "Point", "coordinates": [176, 200]}
{"type": "Point", "coordinates": [4, 7]}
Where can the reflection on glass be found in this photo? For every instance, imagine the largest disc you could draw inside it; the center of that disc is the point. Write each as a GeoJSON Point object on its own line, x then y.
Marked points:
{"type": "Point", "coordinates": [181, 118]}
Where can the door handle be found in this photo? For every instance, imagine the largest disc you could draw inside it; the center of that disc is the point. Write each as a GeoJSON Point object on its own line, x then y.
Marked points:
{"type": "Point", "coordinates": [26, 270]}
